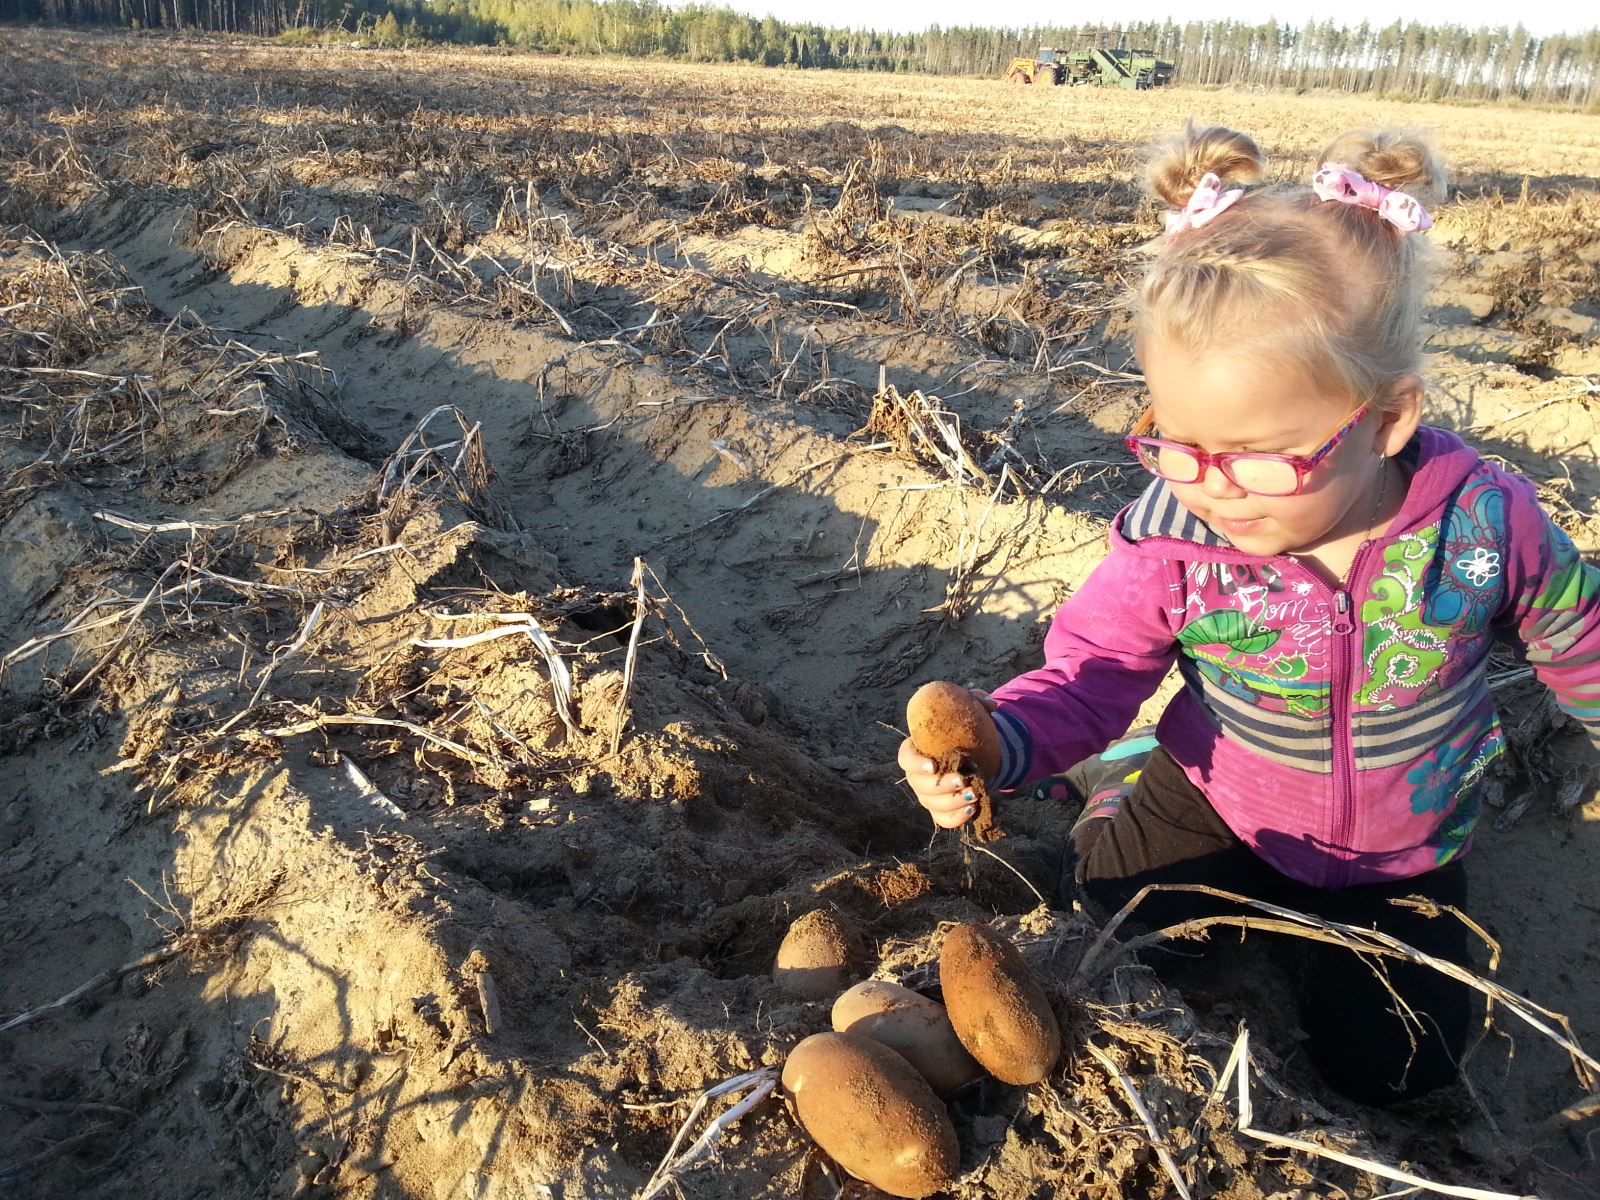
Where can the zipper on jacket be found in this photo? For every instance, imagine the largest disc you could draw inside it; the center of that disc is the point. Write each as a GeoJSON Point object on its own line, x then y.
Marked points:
{"type": "Point", "coordinates": [1344, 765]}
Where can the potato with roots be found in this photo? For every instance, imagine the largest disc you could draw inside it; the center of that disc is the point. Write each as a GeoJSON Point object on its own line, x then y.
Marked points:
{"type": "Point", "coordinates": [998, 1006]}
{"type": "Point", "coordinates": [872, 1114]}
{"type": "Point", "coordinates": [951, 726]}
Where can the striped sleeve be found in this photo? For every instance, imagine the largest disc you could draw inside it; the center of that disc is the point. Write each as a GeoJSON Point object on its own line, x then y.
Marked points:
{"type": "Point", "coordinates": [1016, 751]}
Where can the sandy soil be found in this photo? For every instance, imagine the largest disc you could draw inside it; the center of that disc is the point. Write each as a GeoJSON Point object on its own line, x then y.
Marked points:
{"type": "Point", "coordinates": [724, 407]}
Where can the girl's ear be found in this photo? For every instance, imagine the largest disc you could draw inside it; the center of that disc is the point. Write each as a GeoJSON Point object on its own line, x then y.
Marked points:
{"type": "Point", "coordinates": [1402, 413]}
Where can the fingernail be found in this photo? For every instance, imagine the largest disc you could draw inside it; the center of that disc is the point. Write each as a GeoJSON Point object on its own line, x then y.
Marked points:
{"type": "Point", "coordinates": [967, 795]}
{"type": "Point", "coordinates": [970, 810]}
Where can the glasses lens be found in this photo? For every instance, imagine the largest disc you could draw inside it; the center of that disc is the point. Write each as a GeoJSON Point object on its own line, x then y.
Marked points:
{"type": "Point", "coordinates": [1169, 462]}
{"type": "Point", "coordinates": [1176, 464]}
{"type": "Point", "coordinates": [1264, 476]}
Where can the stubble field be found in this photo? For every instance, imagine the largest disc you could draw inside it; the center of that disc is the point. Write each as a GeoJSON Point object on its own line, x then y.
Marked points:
{"type": "Point", "coordinates": [468, 528]}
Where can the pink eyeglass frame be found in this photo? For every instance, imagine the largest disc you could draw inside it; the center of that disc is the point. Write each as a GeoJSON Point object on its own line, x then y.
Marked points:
{"type": "Point", "coordinates": [1303, 464]}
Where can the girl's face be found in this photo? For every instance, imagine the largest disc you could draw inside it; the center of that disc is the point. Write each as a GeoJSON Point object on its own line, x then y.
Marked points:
{"type": "Point", "coordinates": [1220, 402]}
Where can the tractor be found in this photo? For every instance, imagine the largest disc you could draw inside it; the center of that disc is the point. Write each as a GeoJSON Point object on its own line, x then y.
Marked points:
{"type": "Point", "coordinates": [1098, 65]}
{"type": "Point", "coordinates": [1049, 67]}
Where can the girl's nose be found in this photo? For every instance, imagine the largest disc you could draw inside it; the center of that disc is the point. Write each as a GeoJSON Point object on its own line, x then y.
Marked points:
{"type": "Point", "coordinates": [1219, 487]}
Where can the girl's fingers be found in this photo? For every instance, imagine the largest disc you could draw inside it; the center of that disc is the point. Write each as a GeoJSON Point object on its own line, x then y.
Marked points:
{"type": "Point", "coordinates": [953, 819]}
{"type": "Point", "coordinates": [919, 772]}
{"type": "Point", "coordinates": [946, 797]}
{"type": "Point", "coordinates": [952, 813]}
{"type": "Point", "coordinates": [922, 779]}
{"type": "Point", "coordinates": [946, 801]}
{"type": "Point", "coordinates": [943, 789]}
{"type": "Point", "coordinates": [912, 761]}
{"type": "Point", "coordinates": [950, 809]}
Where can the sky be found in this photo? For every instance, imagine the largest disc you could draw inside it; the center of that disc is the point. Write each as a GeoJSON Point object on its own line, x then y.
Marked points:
{"type": "Point", "coordinates": [1539, 17]}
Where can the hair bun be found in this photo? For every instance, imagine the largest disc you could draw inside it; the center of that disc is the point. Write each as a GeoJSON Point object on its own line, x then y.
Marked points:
{"type": "Point", "coordinates": [1177, 165]}
{"type": "Point", "coordinates": [1403, 161]}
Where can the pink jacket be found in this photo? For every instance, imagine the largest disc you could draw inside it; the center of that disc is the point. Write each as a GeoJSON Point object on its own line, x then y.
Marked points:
{"type": "Point", "coordinates": [1342, 733]}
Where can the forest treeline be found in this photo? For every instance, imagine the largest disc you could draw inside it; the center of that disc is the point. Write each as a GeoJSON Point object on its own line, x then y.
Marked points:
{"type": "Point", "coordinates": [1437, 62]}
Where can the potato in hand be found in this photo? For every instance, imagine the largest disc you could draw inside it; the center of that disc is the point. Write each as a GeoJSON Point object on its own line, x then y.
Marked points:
{"type": "Point", "coordinates": [953, 727]}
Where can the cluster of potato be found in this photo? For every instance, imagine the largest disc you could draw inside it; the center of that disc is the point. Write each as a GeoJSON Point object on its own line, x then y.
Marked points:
{"type": "Point", "coordinates": [870, 1092]}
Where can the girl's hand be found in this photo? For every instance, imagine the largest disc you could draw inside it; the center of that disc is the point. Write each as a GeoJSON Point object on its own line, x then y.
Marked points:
{"type": "Point", "coordinates": [946, 797]}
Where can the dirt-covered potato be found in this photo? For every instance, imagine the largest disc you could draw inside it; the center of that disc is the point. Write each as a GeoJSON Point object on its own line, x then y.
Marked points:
{"type": "Point", "coordinates": [872, 1113]}
{"type": "Point", "coordinates": [817, 956]}
{"type": "Point", "coordinates": [998, 1006]}
{"type": "Point", "coordinates": [951, 726]}
{"type": "Point", "coordinates": [910, 1024]}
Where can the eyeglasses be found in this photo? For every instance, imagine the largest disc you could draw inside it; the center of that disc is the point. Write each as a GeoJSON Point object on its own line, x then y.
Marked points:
{"type": "Point", "coordinates": [1259, 474]}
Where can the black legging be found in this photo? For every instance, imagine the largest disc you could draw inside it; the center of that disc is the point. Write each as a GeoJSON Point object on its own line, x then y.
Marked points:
{"type": "Point", "coordinates": [1167, 832]}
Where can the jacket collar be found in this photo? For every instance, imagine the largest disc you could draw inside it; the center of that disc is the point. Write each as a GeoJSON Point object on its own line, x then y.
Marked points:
{"type": "Point", "coordinates": [1157, 514]}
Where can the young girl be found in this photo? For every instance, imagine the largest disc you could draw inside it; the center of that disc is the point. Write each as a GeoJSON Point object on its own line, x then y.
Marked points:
{"type": "Point", "coordinates": [1329, 576]}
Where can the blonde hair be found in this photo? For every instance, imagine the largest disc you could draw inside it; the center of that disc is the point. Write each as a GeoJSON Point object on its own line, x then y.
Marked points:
{"type": "Point", "coordinates": [1331, 289]}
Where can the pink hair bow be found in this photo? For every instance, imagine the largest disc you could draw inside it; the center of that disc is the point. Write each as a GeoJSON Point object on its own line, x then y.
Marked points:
{"type": "Point", "coordinates": [1207, 201]}
{"type": "Point", "coordinates": [1404, 212]}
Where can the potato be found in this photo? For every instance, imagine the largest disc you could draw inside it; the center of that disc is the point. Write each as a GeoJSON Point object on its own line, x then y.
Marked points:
{"type": "Point", "coordinates": [913, 1026]}
{"type": "Point", "coordinates": [951, 726]}
{"type": "Point", "coordinates": [872, 1113]}
{"type": "Point", "coordinates": [816, 957]}
{"type": "Point", "coordinates": [998, 1006]}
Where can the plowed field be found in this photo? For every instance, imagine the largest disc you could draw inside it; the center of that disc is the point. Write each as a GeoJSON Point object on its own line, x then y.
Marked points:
{"type": "Point", "coordinates": [469, 526]}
